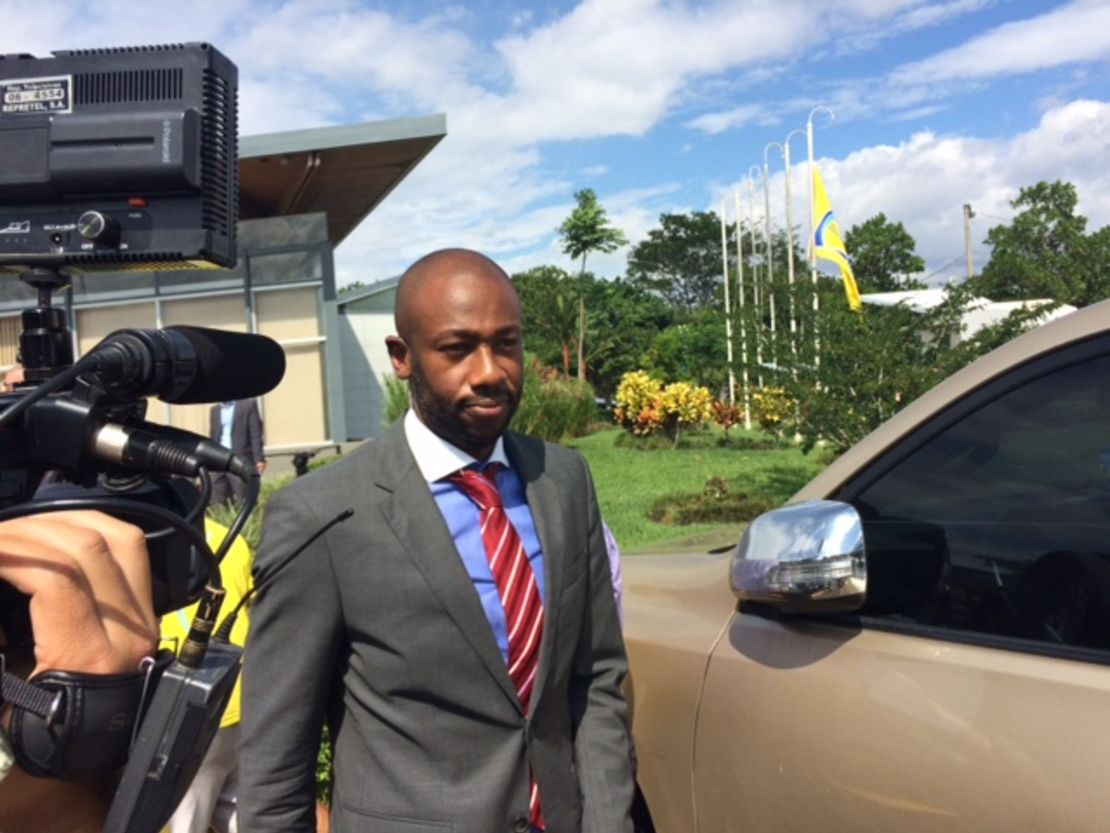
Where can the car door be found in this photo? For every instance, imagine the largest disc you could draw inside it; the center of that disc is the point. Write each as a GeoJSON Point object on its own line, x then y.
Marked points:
{"type": "Point", "coordinates": [972, 691]}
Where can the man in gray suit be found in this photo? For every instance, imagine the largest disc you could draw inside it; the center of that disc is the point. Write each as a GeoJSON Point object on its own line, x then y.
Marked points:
{"type": "Point", "coordinates": [238, 426]}
{"type": "Point", "coordinates": [392, 625]}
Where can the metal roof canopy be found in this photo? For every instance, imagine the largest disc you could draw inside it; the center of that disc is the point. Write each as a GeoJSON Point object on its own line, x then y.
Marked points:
{"type": "Point", "coordinates": [342, 171]}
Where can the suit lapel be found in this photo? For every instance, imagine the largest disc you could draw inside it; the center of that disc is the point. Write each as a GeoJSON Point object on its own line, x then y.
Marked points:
{"type": "Point", "coordinates": [545, 501]}
{"type": "Point", "coordinates": [415, 519]}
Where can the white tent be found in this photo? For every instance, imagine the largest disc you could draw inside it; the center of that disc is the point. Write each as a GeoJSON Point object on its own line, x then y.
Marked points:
{"type": "Point", "coordinates": [981, 312]}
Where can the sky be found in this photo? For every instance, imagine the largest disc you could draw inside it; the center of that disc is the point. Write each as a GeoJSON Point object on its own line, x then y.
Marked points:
{"type": "Point", "coordinates": [660, 107]}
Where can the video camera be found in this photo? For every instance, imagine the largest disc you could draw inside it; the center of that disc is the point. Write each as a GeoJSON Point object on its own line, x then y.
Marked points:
{"type": "Point", "coordinates": [119, 160]}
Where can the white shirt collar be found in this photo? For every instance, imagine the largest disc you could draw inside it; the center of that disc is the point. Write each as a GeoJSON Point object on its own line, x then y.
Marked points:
{"type": "Point", "coordinates": [435, 457]}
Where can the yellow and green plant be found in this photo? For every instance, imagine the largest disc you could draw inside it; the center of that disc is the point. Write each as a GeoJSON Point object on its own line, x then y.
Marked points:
{"type": "Point", "coordinates": [646, 406]}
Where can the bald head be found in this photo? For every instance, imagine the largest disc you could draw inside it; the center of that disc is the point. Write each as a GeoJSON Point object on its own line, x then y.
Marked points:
{"type": "Point", "coordinates": [425, 281]}
{"type": "Point", "coordinates": [459, 346]}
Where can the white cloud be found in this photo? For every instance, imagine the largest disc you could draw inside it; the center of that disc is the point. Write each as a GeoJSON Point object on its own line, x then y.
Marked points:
{"type": "Point", "coordinates": [1077, 32]}
{"type": "Point", "coordinates": [621, 68]}
{"type": "Point", "coordinates": [736, 118]}
{"type": "Point", "coordinates": [924, 182]}
{"type": "Point", "coordinates": [613, 67]}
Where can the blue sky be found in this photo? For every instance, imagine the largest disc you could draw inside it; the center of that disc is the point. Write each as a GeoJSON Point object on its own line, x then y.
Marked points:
{"type": "Point", "coordinates": [659, 106]}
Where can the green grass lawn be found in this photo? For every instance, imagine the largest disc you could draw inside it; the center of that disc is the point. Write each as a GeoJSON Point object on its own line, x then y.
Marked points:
{"type": "Point", "coordinates": [630, 479]}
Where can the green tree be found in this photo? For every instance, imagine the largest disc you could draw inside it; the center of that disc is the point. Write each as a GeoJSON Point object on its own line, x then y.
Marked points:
{"type": "Point", "coordinates": [882, 256]}
{"type": "Point", "coordinates": [876, 361]}
{"type": "Point", "coordinates": [681, 259]}
{"type": "Point", "coordinates": [622, 322]}
{"type": "Point", "coordinates": [587, 230]}
{"type": "Point", "coordinates": [1046, 251]}
{"type": "Point", "coordinates": [548, 297]}
{"type": "Point", "coordinates": [691, 350]}
{"type": "Point", "coordinates": [872, 363]}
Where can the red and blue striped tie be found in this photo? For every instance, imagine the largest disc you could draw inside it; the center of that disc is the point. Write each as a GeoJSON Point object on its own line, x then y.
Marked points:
{"type": "Point", "coordinates": [516, 585]}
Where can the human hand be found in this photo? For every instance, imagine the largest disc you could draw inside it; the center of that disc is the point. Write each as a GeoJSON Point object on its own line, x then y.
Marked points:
{"type": "Point", "coordinates": [88, 578]}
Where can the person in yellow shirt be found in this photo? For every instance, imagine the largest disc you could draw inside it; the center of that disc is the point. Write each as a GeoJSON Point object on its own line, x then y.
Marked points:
{"type": "Point", "coordinates": [210, 800]}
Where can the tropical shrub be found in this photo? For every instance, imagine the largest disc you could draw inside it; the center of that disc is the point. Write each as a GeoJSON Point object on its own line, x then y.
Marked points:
{"type": "Point", "coordinates": [685, 406]}
{"type": "Point", "coordinates": [639, 403]}
{"type": "Point", "coordinates": [727, 416]}
{"type": "Point", "coordinates": [554, 406]}
{"type": "Point", "coordinates": [773, 408]}
{"type": "Point", "coordinates": [645, 406]}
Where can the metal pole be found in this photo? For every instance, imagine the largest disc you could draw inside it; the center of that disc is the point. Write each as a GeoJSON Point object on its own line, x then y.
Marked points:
{"type": "Point", "coordinates": [743, 322]}
{"type": "Point", "coordinates": [770, 255]}
{"type": "Point", "coordinates": [728, 305]}
{"type": "Point", "coordinates": [790, 250]}
{"type": "Point", "coordinates": [812, 233]}
{"type": "Point", "coordinates": [756, 299]}
{"type": "Point", "coordinates": [968, 214]}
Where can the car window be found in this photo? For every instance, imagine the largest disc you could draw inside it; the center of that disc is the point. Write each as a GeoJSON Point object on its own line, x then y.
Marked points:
{"type": "Point", "coordinates": [999, 525]}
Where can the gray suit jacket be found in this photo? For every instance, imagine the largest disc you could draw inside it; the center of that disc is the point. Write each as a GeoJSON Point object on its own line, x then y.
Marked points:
{"type": "Point", "coordinates": [376, 627]}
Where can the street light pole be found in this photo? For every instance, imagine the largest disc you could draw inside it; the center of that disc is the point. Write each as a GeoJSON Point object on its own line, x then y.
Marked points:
{"type": "Point", "coordinates": [790, 247]}
{"type": "Point", "coordinates": [968, 214]}
{"type": "Point", "coordinates": [770, 256]}
{"type": "Point", "coordinates": [728, 305]}
{"type": "Point", "coordinates": [740, 315]}
{"type": "Point", "coordinates": [756, 295]}
{"type": "Point", "coordinates": [811, 247]}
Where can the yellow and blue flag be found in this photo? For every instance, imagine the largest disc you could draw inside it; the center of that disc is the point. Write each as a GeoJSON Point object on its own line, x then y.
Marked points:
{"type": "Point", "coordinates": [827, 242]}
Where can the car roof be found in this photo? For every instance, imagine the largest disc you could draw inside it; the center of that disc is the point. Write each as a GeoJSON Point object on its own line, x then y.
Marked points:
{"type": "Point", "coordinates": [1077, 326]}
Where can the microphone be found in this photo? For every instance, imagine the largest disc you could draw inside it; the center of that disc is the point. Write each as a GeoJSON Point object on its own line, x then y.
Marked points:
{"type": "Point", "coordinates": [187, 365]}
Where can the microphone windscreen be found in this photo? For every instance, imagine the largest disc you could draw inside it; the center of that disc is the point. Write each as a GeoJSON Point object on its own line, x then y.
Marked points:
{"type": "Point", "coordinates": [230, 366]}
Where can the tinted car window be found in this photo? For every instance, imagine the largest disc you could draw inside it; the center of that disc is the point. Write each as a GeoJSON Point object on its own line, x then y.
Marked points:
{"type": "Point", "coordinates": [1000, 524]}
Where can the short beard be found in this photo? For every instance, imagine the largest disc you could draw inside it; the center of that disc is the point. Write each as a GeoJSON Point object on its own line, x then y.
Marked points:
{"type": "Point", "coordinates": [444, 423]}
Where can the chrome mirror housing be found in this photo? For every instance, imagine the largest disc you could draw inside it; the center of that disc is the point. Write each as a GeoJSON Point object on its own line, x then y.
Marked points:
{"type": "Point", "coordinates": [804, 558]}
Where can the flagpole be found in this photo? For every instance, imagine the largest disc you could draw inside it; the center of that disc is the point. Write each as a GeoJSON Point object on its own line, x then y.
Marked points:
{"type": "Point", "coordinates": [790, 248]}
{"type": "Point", "coordinates": [756, 299]}
{"type": "Point", "coordinates": [770, 248]}
{"type": "Point", "coordinates": [728, 304]}
{"type": "Point", "coordinates": [812, 231]}
{"type": "Point", "coordinates": [743, 324]}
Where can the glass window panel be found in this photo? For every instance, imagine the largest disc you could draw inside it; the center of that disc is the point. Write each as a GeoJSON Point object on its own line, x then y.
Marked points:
{"type": "Point", "coordinates": [289, 267]}
{"type": "Point", "coordinates": [289, 313]}
{"type": "Point", "coordinates": [1001, 524]}
{"type": "Point", "coordinates": [294, 412]}
{"type": "Point", "coordinates": [275, 232]}
{"type": "Point", "coordinates": [94, 324]}
{"type": "Point", "coordinates": [105, 286]}
{"type": "Point", "coordinates": [11, 326]}
{"type": "Point", "coordinates": [224, 312]}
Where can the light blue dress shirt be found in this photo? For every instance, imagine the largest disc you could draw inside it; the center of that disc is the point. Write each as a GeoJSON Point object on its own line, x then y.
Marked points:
{"type": "Point", "coordinates": [227, 412]}
{"type": "Point", "coordinates": [437, 459]}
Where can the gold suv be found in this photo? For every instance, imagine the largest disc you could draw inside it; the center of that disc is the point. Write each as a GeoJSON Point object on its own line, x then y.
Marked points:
{"type": "Point", "coordinates": [919, 642]}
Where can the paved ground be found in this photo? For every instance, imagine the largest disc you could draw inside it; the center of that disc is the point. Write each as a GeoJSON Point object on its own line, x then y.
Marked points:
{"type": "Point", "coordinates": [721, 539]}
{"type": "Point", "coordinates": [281, 464]}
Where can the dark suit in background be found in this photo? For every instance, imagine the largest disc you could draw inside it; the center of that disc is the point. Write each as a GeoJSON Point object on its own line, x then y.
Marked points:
{"type": "Point", "coordinates": [246, 441]}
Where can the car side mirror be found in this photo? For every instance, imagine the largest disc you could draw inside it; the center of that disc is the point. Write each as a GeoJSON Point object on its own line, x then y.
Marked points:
{"type": "Point", "coordinates": [804, 558]}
